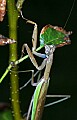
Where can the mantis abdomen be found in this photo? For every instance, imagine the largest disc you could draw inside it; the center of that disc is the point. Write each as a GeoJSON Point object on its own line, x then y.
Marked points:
{"type": "Point", "coordinates": [37, 113]}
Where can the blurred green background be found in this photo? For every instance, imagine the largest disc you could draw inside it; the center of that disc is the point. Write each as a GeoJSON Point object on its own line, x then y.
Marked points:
{"type": "Point", "coordinates": [64, 69]}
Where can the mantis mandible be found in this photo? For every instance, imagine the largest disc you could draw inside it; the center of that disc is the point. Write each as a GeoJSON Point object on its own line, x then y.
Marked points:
{"type": "Point", "coordinates": [51, 37]}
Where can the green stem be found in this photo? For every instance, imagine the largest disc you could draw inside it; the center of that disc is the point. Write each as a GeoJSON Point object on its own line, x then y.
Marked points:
{"type": "Point", "coordinates": [15, 63]}
{"type": "Point", "coordinates": [12, 19]}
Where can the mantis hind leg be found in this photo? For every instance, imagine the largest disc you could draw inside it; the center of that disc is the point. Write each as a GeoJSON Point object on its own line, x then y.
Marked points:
{"type": "Point", "coordinates": [27, 115]}
{"type": "Point", "coordinates": [33, 75]}
{"type": "Point", "coordinates": [64, 97]}
{"type": "Point", "coordinates": [31, 80]}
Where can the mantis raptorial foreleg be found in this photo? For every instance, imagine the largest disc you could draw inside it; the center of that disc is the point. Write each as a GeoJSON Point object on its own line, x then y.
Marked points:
{"type": "Point", "coordinates": [34, 42]}
{"type": "Point", "coordinates": [33, 59]}
{"type": "Point", "coordinates": [34, 35]}
{"type": "Point", "coordinates": [34, 38]}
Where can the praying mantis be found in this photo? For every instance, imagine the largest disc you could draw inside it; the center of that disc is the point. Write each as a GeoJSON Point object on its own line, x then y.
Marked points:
{"type": "Point", "coordinates": [50, 46]}
{"type": "Point", "coordinates": [51, 37]}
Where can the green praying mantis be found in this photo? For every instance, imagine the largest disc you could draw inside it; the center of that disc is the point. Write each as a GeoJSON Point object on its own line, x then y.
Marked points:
{"type": "Point", "coordinates": [51, 37]}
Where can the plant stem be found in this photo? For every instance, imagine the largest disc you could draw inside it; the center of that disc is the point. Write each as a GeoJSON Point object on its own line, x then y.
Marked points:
{"type": "Point", "coordinates": [12, 20]}
{"type": "Point", "coordinates": [15, 63]}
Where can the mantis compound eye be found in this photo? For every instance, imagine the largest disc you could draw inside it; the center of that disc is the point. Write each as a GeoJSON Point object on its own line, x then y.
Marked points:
{"type": "Point", "coordinates": [49, 49]}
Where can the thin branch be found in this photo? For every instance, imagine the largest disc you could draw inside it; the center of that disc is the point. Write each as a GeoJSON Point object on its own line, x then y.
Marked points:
{"type": "Point", "coordinates": [15, 63]}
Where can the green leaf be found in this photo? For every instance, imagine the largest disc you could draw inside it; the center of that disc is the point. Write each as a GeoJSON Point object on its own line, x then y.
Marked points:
{"type": "Point", "coordinates": [51, 36]}
{"type": "Point", "coordinates": [6, 115]}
